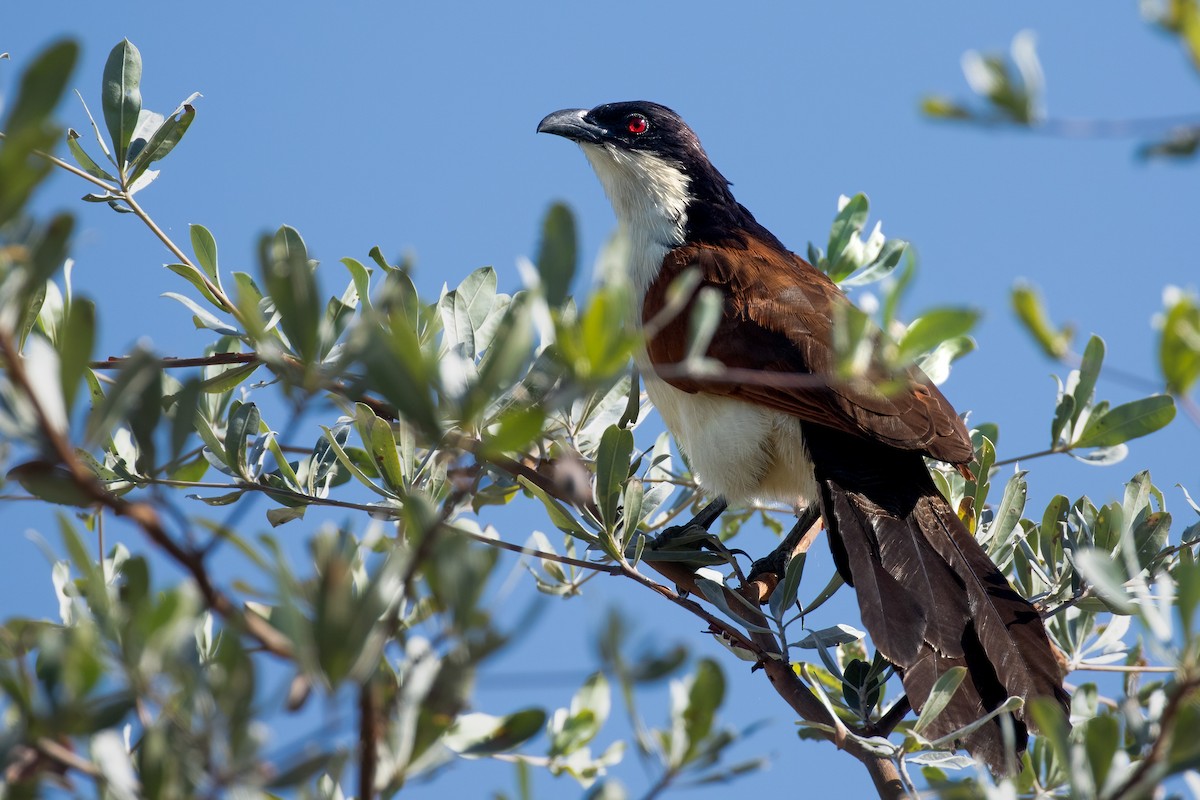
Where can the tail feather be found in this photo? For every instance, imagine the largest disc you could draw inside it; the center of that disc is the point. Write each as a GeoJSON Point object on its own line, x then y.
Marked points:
{"type": "Point", "coordinates": [930, 596]}
{"type": "Point", "coordinates": [1010, 630]}
{"type": "Point", "coordinates": [976, 696]}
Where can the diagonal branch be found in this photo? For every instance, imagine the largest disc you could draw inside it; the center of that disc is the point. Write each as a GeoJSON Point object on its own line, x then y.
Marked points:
{"type": "Point", "coordinates": [142, 514]}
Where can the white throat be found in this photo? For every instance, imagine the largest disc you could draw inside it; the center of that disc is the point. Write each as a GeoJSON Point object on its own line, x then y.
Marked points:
{"type": "Point", "coordinates": [650, 195]}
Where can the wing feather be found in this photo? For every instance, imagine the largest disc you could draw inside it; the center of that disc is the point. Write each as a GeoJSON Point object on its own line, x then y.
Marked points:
{"type": "Point", "coordinates": [776, 329]}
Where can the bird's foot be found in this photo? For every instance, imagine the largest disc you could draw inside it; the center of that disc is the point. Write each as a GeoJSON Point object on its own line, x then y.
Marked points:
{"type": "Point", "coordinates": [691, 541]}
{"type": "Point", "coordinates": [770, 569]}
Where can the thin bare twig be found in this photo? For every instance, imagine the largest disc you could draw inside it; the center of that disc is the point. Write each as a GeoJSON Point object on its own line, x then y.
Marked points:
{"type": "Point", "coordinates": [1086, 667]}
{"type": "Point", "coordinates": [116, 362]}
{"type": "Point", "coordinates": [68, 758]}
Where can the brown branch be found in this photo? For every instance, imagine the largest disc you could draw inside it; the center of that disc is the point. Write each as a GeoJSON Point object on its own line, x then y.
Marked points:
{"type": "Point", "coordinates": [368, 738]}
{"type": "Point", "coordinates": [141, 514]}
{"type": "Point", "coordinates": [116, 362]}
{"type": "Point", "coordinates": [789, 686]}
{"type": "Point", "coordinates": [611, 569]}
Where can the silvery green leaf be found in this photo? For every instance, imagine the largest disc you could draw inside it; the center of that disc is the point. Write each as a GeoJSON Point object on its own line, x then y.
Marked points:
{"type": "Point", "coordinates": [830, 637]}
{"type": "Point", "coordinates": [1008, 706]}
{"type": "Point", "coordinates": [939, 697]}
{"type": "Point", "coordinates": [784, 596]}
{"type": "Point", "coordinates": [1101, 456]}
{"type": "Point", "coordinates": [1127, 421]}
{"type": "Point", "coordinates": [715, 593]}
{"type": "Point", "coordinates": [85, 162]}
{"type": "Point", "coordinates": [45, 381]}
{"type": "Point", "coordinates": [122, 97]}
{"type": "Point", "coordinates": [941, 760]}
{"type": "Point", "coordinates": [1107, 578]}
{"type": "Point", "coordinates": [204, 318]}
{"type": "Point", "coordinates": [113, 760]}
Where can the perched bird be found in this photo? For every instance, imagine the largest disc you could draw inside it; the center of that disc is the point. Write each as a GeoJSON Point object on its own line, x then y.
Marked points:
{"type": "Point", "coordinates": [777, 424]}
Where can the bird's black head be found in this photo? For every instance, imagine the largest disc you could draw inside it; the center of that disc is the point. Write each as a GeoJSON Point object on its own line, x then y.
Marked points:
{"type": "Point", "coordinates": [635, 125]}
{"type": "Point", "coordinates": [653, 168]}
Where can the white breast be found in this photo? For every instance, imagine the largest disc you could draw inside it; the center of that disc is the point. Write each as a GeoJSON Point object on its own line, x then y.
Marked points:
{"type": "Point", "coordinates": [740, 451]}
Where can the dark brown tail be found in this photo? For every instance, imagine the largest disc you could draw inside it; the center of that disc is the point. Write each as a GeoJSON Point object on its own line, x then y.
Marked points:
{"type": "Point", "coordinates": [930, 597]}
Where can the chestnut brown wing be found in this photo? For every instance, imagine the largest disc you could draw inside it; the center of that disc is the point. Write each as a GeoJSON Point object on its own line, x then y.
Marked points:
{"type": "Point", "coordinates": [775, 329]}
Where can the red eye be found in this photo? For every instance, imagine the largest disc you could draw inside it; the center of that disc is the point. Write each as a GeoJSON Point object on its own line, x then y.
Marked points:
{"type": "Point", "coordinates": [637, 124]}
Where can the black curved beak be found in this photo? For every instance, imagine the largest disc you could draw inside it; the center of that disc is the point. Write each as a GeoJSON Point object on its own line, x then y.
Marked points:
{"type": "Point", "coordinates": [570, 123]}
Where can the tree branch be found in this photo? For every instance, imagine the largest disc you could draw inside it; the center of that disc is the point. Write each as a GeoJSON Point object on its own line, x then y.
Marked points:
{"type": "Point", "coordinates": [116, 362]}
{"type": "Point", "coordinates": [368, 741]}
{"type": "Point", "coordinates": [141, 514]}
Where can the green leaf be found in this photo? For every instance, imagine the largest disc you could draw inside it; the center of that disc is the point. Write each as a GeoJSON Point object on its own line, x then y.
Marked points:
{"type": "Point", "coordinates": [1064, 412]}
{"type": "Point", "coordinates": [784, 596]}
{"type": "Point", "coordinates": [194, 277]}
{"type": "Point", "coordinates": [939, 697]}
{"type": "Point", "coordinates": [183, 417]}
{"type": "Point", "coordinates": [243, 423]}
{"type": "Point", "coordinates": [706, 692]}
{"type": "Point", "coordinates": [516, 428]}
{"type": "Point", "coordinates": [1179, 346]}
{"type": "Point", "coordinates": [293, 288]}
{"type": "Point", "coordinates": [396, 367]}
{"type": "Point", "coordinates": [612, 468]}
{"type": "Point", "coordinates": [1027, 304]}
{"type": "Point", "coordinates": [939, 107]}
{"type": "Point", "coordinates": [1089, 371]}
{"type": "Point", "coordinates": [935, 327]}
{"type": "Point", "coordinates": [1050, 530]}
{"type": "Point", "coordinates": [226, 379]}
{"type": "Point", "coordinates": [42, 86]}
{"type": "Point", "coordinates": [505, 359]}
{"type": "Point", "coordinates": [135, 375]}
{"type": "Point", "coordinates": [85, 161]}
{"type": "Point", "coordinates": [283, 515]}
{"type": "Point", "coordinates": [1007, 519]}
{"type": "Point", "coordinates": [1127, 421]}
{"type": "Point", "coordinates": [383, 453]}
{"type": "Point", "coordinates": [163, 140]}
{"type": "Point", "coordinates": [556, 260]}
{"type": "Point", "coordinates": [847, 224]}
{"type": "Point", "coordinates": [1106, 577]}
{"type": "Point", "coordinates": [883, 265]}
{"type": "Point", "coordinates": [469, 306]}
{"type": "Point", "coordinates": [481, 734]}
{"type": "Point", "coordinates": [28, 126]}
{"type": "Point", "coordinates": [50, 482]}
{"type": "Point", "coordinates": [1187, 578]}
{"type": "Point", "coordinates": [145, 410]}
{"type": "Point", "coordinates": [75, 347]}
{"type": "Point", "coordinates": [1100, 738]}
{"type": "Point", "coordinates": [631, 506]}
{"type": "Point", "coordinates": [861, 688]}
{"type": "Point", "coordinates": [121, 96]}
{"type": "Point", "coordinates": [344, 458]}
{"type": "Point", "coordinates": [205, 248]}
{"type": "Point", "coordinates": [561, 518]}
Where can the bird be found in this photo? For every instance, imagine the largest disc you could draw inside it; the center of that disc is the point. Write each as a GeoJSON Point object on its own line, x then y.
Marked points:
{"type": "Point", "coordinates": [775, 423]}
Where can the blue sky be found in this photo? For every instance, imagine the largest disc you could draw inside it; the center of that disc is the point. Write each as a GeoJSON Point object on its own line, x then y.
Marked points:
{"type": "Point", "coordinates": [411, 126]}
